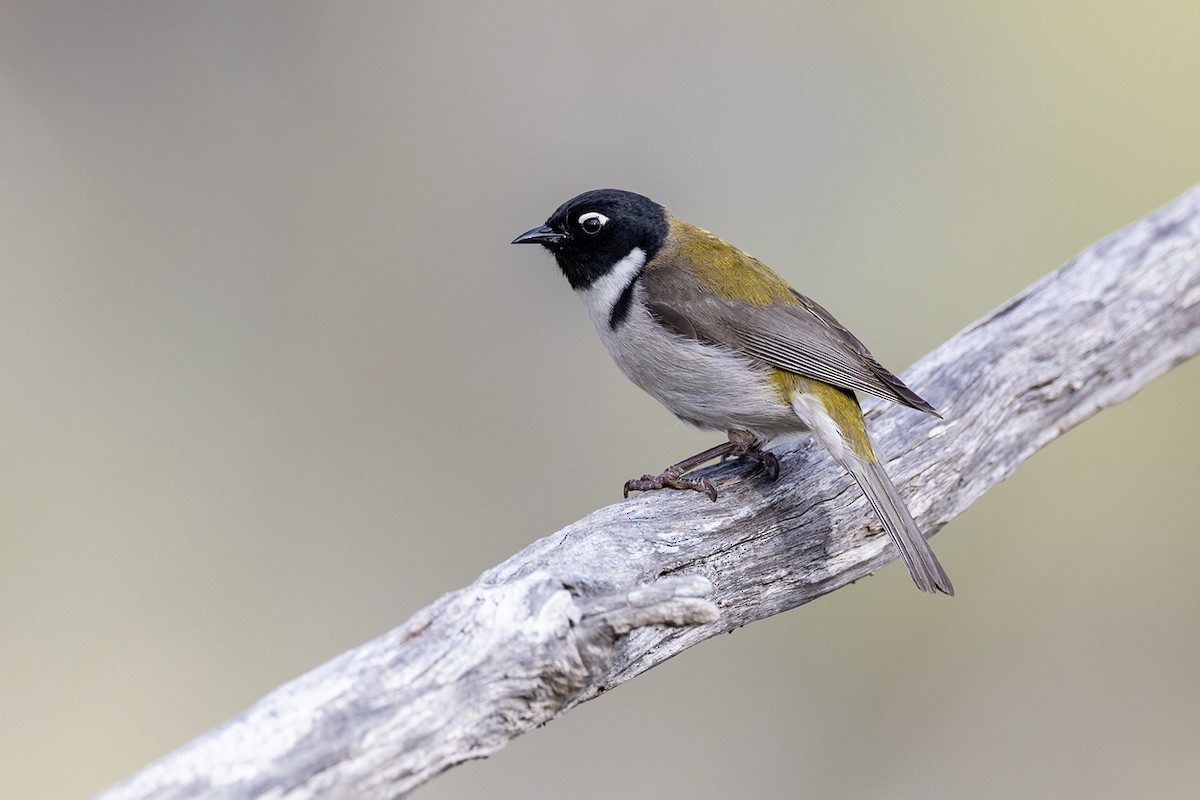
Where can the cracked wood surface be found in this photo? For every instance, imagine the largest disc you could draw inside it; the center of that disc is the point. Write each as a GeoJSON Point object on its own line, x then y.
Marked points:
{"type": "Point", "coordinates": [631, 585]}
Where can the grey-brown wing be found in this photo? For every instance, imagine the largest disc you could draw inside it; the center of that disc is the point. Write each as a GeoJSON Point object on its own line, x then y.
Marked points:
{"type": "Point", "coordinates": [800, 337]}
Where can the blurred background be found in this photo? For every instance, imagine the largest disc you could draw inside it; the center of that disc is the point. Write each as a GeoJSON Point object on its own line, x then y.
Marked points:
{"type": "Point", "coordinates": [273, 378]}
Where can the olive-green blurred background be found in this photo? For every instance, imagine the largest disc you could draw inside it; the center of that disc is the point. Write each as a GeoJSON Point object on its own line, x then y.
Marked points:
{"type": "Point", "coordinates": [272, 379]}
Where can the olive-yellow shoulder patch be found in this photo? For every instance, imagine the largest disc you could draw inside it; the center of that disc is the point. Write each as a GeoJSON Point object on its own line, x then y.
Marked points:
{"type": "Point", "coordinates": [724, 270]}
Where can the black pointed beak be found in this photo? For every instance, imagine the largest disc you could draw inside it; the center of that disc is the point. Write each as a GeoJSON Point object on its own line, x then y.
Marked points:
{"type": "Point", "coordinates": [542, 234]}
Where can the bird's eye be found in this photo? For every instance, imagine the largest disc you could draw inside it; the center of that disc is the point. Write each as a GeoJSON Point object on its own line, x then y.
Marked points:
{"type": "Point", "coordinates": [592, 222]}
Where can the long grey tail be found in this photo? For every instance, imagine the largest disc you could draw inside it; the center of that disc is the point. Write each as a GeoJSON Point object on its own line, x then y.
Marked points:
{"type": "Point", "coordinates": [916, 553]}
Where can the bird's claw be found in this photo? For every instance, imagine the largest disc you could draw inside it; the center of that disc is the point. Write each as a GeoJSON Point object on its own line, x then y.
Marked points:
{"type": "Point", "coordinates": [765, 458]}
{"type": "Point", "coordinates": [771, 463]}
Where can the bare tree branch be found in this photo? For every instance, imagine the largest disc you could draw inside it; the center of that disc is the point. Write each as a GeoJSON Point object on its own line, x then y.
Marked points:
{"type": "Point", "coordinates": [635, 583]}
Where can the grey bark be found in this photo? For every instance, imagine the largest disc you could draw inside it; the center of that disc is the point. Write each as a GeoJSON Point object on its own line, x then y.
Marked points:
{"type": "Point", "coordinates": [631, 585]}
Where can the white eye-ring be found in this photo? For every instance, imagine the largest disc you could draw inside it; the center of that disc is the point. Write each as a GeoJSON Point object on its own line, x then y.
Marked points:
{"type": "Point", "coordinates": [592, 222]}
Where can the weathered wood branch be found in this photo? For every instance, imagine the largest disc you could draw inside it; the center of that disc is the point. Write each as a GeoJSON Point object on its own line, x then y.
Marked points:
{"type": "Point", "coordinates": [635, 583]}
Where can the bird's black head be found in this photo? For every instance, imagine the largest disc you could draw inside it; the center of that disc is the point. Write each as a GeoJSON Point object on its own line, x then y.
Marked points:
{"type": "Point", "coordinates": [591, 233]}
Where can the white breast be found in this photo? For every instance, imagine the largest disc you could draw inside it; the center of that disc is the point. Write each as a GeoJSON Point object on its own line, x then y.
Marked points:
{"type": "Point", "coordinates": [706, 385]}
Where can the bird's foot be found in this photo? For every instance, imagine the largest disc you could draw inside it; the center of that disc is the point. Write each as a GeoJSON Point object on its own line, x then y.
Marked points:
{"type": "Point", "coordinates": [671, 479]}
{"type": "Point", "coordinates": [741, 444]}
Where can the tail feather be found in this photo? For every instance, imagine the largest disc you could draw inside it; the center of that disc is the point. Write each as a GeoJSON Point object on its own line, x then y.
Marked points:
{"type": "Point", "coordinates": [835, 419]}
{"type": "Point", "coordinates": [915, 551]}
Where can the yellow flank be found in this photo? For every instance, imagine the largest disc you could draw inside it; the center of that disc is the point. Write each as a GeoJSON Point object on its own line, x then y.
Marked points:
{"type": "Point", "coordinates": [841, 405]}
{"type": "Point", "coordinates": [725, 270]}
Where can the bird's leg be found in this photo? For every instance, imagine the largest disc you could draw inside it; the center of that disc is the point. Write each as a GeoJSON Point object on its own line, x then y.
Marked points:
{"type": "Point", "coordinates": [741, 444]}
{"type": "Point", "coordinates": [672, 477]}
{"type": "Point", "coordinates": [747, 445]}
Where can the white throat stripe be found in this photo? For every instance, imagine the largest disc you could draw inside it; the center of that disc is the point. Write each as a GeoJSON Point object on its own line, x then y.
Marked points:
{"type": "Point", "coordinates": [604, 292]}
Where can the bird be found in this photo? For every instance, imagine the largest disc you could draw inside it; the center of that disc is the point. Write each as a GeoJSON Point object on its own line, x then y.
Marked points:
{"type": "Point", "coordinates": [726, 344]}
